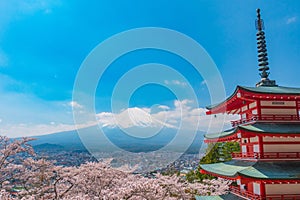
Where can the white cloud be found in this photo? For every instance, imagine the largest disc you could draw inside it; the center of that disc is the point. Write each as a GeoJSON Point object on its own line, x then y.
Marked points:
{"type": "Point", "coordinates": [188, 117]}
{"type": "Point", "coordinates": [28, 129]}
{"type": "Point", "coordinates": [27, 115]}
{"type": "Point", "coordinates": [183, 115]}
{"type": "Point", "coordinates": [131, 117]}
{"type": "Point", "coordinates": [24, 114]}
{"type": "Point", "coordinates": [204, 82]}
{"type": "Point", "coordinates": [175, 82]}
{"type": "Point", "coordinates": [291, 20]}
{"type": "Point", "coordinates": [164, 107]}
{"type": "Point", "coordinates": [75, 104]}
{"type": "Point", "coordinates": [106, 119]}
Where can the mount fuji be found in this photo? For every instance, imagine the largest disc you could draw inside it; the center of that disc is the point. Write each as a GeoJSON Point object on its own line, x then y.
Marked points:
{"type": "Point", "coordinates": [133, 129]}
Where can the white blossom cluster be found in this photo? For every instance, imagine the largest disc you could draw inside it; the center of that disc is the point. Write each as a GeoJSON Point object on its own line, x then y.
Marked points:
{"type": "Point", "coordinates": [42, 179]}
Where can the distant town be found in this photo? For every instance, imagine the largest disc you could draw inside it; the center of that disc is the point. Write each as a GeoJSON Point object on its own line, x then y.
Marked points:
{"type": "Point", "coordinates": [155, 162]}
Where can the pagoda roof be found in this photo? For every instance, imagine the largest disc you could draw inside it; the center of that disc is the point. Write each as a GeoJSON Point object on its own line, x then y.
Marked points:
{"type": "Point", "coordinates": [260, 128]}
{"type": "Point", "coordinates": [257, 170]}
{"type": "Point", "coordinates": [233, 102]}
{"type": "Point", "coordinates": [273, 90]}
{"type": "Point", "coordinates": [228, 196]}
{"type": "Point", "coordinates": [221, 134]}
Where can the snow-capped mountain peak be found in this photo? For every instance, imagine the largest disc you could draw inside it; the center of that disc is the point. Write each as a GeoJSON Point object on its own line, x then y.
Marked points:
{"type": "Point", "coordinates": [131, 117]}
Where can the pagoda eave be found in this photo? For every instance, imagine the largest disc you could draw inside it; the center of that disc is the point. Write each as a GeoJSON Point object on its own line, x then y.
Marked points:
{"type": "Point", "coordinates": [255, 170]}
{"type": "Point", "coordinates": [245, 95]}
{"type": "Point", "coordinates": [246, 134]}
{"type": "Point", "coordinates": [231, 103]}
{"type": "Point", "coordinates": [255, 129]}
{"type": "Point", "coordinates": [233, 178]}
{"type": "Point", "coordinates": [249, 179]}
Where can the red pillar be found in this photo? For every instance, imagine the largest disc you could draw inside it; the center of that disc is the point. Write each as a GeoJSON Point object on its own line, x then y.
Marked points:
{"type": "Point", "coordinates": [261, 146]}
{"type": "Point", "coordinates": [262, 190]}
{"type": "Point", "coordinates": [297, 108]}
{"type": "Point", "coordinates": [258, 110]}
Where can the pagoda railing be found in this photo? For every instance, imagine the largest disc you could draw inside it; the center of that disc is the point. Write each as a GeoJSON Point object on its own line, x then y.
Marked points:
{"type": "Point", "coordinates": [268, 155]}
{"type": "Point", "coordinates": [249, 195]}
{"type": "Point", "coordinates": [278, 117]}
{"type": "Point", "coordinates": [244, 193]}
{"type": "Point", "coordinates": [243, 121]}
{"type": "Point", "coordinates": [265, 118]}
{"type": "Point", "coordinates": [283, 197]}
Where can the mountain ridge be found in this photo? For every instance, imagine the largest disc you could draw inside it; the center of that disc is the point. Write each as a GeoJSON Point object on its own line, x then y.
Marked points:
{"type": "Point", "coordinates": [71, 140]}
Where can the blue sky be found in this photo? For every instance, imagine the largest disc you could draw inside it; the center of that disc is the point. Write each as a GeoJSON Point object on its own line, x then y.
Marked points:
{"type": "Point", "coordinates": [43, 43]}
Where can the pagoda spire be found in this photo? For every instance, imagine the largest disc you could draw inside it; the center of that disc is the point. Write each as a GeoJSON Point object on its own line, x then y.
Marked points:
{"type": "Point", "coordinates": [262, 53]}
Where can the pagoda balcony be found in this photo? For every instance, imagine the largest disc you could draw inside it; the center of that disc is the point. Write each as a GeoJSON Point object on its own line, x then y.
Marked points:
{"type": "Point", "coordinates": [269, 117]}
{"type": "Point", "coordinates": [249, 195]}
{"type": "Point", "coordinates": [268, 155]}
{"type": "Point", "coordinates": [235, 123]}
{"type": "Point", "coordinates": [244, 193]}
{"type": "Point", "coordinates": [283, 197]}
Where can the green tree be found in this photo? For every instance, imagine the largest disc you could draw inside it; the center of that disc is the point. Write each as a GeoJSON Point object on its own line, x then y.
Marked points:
{"type": "Point", "coordinates": [220, 152]}
{"type": "Point", "coordinates": [195, 175]}
{"type": "Point", "coordinates": [212, 154]}
{"type": "Point", "coordinates": [216, 152]}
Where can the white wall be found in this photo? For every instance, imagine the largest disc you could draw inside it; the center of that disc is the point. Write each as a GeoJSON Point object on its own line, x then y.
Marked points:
{"type": "Point", "coordinates": [254, 139]}
{"type": "Point", "coordinates": [283, 139]}
{"type": "Point", "coordinates": [256, 188]}
{"type": "Point", "coordinates": [244, 108]}
{"type": "Point", "coordinates": [281, 148]}
{"type": "Point", "coordinates": [286, 111]}
{"type": "Point", "coordinates": [277, 103]}
{"type": "Point", "coordinates": [256, 148]}
{"type": "Point", "coordinates": [282, 189]}
{"type": "Point", "coordinates": [252, 105]}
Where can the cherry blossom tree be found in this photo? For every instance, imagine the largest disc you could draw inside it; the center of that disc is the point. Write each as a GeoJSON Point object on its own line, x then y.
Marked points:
{"type": "Point", "coordinates": [11, 152]}
{"type": "Point", "coordinates": [42, 179]}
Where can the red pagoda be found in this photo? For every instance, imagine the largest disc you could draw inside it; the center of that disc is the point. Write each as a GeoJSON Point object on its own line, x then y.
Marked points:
{"type": "Point", "coordinates": [268, 131]}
